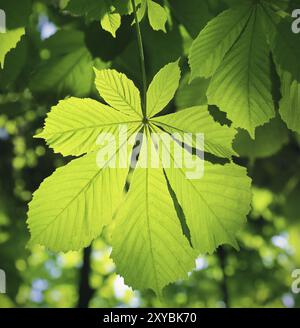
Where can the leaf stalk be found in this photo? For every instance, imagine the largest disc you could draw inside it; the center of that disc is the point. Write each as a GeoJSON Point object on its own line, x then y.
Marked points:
{"type": "Point", "coordinates": [142, 58]}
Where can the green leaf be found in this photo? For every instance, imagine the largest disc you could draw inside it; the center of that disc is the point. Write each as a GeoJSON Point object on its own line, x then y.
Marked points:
{"type": "Point", "coordinates": [119, 92]}
{"type": "Point", "coordinates": [15, 62]}
{"type": "Point", "coordinates": [8, 41]}
{"type": "Point", "coordinates": [215, 215]}
{"type": "Point", "coordinates": [217, 138]}
{"type": "Point", "coordinates": [193, 94]}
{"type": "Point", "coordinates": [269, 139]}
{"type": "Point", "coordinates": [285, 48]}
{"type": "Point", "coordinates": [72, 206]}
{"type": "Point", "coordinates": [162, 88]}
{"type": "Point", "coordinates": [242, 84]}
{"type": "Point", "coordinates": [141, 10]}
{"type": "Point", "coordinates": [111, 22]}
{"type": "Point", "coordinates": [149, 247]}
{"type": "Point", "coordinates": [214, 41]}
{"type": "Point", "coordinates": [73, 126]}
{"type": "Point", "coordinates": [69, 69]}
{"type": "Point", "coordinates": [156, 13]}
{"type": "Point", "coordinates": [149, 240]}
{"type": "Point", "coordinates": [17, 13]}
{"type": "Point", "coordinates": [289, 106]}
{"type": "Point", "coordinates": [157, 16]}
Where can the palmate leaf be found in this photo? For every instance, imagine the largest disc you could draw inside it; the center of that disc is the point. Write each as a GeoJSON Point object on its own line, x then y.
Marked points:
{"type": "Point", "coordinates": [241, 86]}
{"type": "Point", "coordinates": [150, 249]}
{"type": "Point", "coordinates": [233, 49]}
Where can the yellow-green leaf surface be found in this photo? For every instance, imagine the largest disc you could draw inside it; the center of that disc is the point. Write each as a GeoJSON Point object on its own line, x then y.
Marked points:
{"type": "Point", "coordinates": [242, 86]}
{"type": "Point", "coordinates": [217, 138]}
{"type": "Point", "coordinates": [215, 206]}
{"type": "Point", "coordinates": [111, 22]}
{"type": "Point", "coordinates": [72, 206]}
{"type": "Point", "coordinates": [157, 16]}
{"type": "Point", "coordinates": [149, 247]}
{"type": "Point", "coordinates": [162, 88]}
{"type": "Point", "coordinates": [119, 92]}
{"type": "Point", "coordinates": [9, 41]}
{"type": "Point", "coordinates": [73, 126]}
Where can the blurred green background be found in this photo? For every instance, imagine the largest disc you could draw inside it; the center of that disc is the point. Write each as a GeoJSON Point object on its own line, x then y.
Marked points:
{"type": "Point", "coordinates": [44, 68]}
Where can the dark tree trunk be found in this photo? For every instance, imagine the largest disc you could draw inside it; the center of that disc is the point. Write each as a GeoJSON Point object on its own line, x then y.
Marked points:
{"type": "Point", "coordinates": [85, 291]}
{"type": "Point", "coordinates": [224, 283]}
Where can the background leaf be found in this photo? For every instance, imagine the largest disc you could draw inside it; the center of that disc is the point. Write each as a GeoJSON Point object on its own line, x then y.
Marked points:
{"type": "Point", "coordinates": [242, 84]}
{"type": "Point", "coordinates": [213, 42]}
{"type": "Point", "coordinates": [67, 68]}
